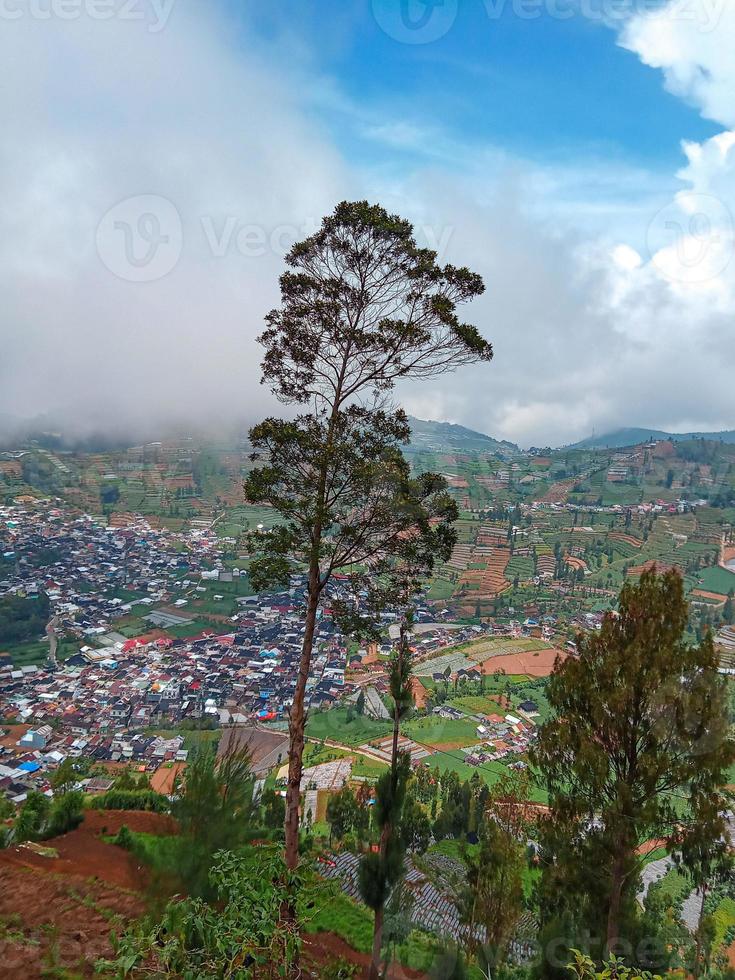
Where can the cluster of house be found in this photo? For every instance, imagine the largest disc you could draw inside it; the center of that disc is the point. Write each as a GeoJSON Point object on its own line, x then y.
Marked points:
{"type": "Point", "coordinates": [29, 755]}
{"type": "Point", "coordinates": [108, 700]}
{"type": "Point", "coordinates": [499, 735]}
{"type": "Point", "coordinates": [105, 699]}
{"type": "Point", "coordinates": [80, 564]}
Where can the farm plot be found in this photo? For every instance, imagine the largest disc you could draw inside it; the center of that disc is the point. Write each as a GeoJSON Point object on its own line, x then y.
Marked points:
{"type": "Point", "coordinates": [473, 704]}
{"type": "Point", "coordinates": [717, 579]}
{"type": "Point", "coordinates": [334, 726]}
{"type": "Point", "coordinates": [446, 733]}
{"type": "Point", "coordinates": [502, 646]}
{"type": "Point", "coordinates": [384, 748]}
{"type": "Point", "coordinates": [538, 663]}
{"type": "Point", "coordinates": [455, 660]}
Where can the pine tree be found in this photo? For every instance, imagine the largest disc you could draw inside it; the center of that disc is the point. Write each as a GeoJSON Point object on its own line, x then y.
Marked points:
{"type": "Point", "coordinates": [640, 719]}
{"type": "Point", "coordinates": [379, 872]}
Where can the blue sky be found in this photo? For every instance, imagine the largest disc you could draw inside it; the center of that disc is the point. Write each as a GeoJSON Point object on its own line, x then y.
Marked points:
{"type": "Point", "coordinates": [543, 88]}
{"type": "Point", "coordinates": [585, 170]}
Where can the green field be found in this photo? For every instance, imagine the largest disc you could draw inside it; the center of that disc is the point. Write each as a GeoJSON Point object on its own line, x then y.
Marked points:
{"type": "Point", "coordinates": [35, 653]}
{"type": "Point", "coordinates": [490, 772]}
{"type": "Point", "coordinates": [716, 579]}
{"type": "Point", "coordinates": [476, 704]}
{"type": "Point", "coordinates": [332, 725]}
{"type": "Point", "coordinates": [437, 731]}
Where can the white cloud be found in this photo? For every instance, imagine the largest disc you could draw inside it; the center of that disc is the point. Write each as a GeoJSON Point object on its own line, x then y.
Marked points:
{"type": "Point", "coordinates": [103, 111]}
{"type": "Point", "coordinates": [694, 52]}
{"type": "Point", "coordinates": [592, 336]}
{"type": "Point", "coordinates": [608, 302]}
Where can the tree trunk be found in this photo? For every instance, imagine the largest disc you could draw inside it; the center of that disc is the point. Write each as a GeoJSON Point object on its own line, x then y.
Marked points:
{"type": "Point", "coordinates": [296, 726]}
{"type": "Point", "coordinates": [384, 840]}
{"type": "Point", "coordinates": [616, 894]}
{"type": "Point", "coordinates": [697, 967]}
{"type": "Point", "coordinates": [377, 943]}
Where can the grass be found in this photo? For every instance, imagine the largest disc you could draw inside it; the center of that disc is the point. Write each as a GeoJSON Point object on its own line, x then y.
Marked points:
{"type": "Point", "coordinates": [724, 917]}
{"type": "Point", "coordinates": [192, 738]}
{"type": "Point", "coordinates": [333, 725]}
{"type": "Point", "coordinates": [674, 886]}
{"type": "Point", "coordinates": [338, 913]}
{"type": "Point", "coordinates": [530, 876]}
{"type": "Point", "coordinates": [436, 731]}
{"type": "Point", "coordinates": [35, 653]}
{"type": "Point", "coordinates": [441, 589]}
{"type": "Point", "coordinates": [315, 754]}
{"type": "Point", "coordinates": [131, 626]}
{"type": "Point", "coordinates": [160, 852]}
{"type": "Point", "coordinates": [655, 855]}
{"type": "Point", "coordinates": [716, 579]}
{"type": "Point", "coordinates": [193, 628]}
{"type": "Point", "coordinates": [369, 769]}
{"type": "Point", "coordinates": [452, 848]}
{"type": "Point", "coordinates": [489, 772]}
{"type": "Point", "coordinates": [476, 704]}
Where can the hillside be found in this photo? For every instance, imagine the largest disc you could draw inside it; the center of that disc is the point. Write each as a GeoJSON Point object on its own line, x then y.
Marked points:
{"type": "Point", "coordinates": [448, 437]}
{"type": "Point", "coordinates": [634, 436]}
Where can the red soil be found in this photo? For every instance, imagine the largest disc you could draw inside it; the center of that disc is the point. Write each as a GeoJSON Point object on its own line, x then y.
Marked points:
{"type": "Point", "coordinates": [703, 594]}
{"type": "Point", "coordinates": [83, 854]}
{"type": "Point", "coordinates": [535, 663]}
{"type": "Point", "coordinates": [163, 779]}
{"type": "Point", "coordinates": [629, 538]}
{"type": "Point", "coordinates": [59, 911]}
{"type": "Point", "coordinates": [420, 694]}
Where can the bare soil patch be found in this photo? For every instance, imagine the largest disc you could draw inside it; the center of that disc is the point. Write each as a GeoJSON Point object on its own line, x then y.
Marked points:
{"type": "Point", "coordinates": [539, 663]}
{"type": "Point", "coordinates": [58, 909]}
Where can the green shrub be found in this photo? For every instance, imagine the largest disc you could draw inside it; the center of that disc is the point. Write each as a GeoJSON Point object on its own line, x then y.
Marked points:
{"type": "Point", "coordinates": [124, 838]}
{"type": "Point", "coordinates": [126, 799]}
{"type": "Point", "coordinates": [66, 813]}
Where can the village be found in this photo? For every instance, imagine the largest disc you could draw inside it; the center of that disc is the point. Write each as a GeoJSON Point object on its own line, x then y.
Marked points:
{"type": "Point", "coordinates": [94, 693]}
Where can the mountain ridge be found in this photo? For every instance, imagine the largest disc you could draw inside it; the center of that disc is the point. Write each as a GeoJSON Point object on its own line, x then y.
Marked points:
{"type": "Point", "coordinates": [632, 436]}
{"type": "Point", "coordinates": [429, 434]}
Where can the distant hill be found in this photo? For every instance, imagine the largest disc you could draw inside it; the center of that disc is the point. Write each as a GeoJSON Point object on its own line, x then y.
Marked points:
{"type": "Point", "coordinates": [631, 437]}
{"type": "Point", "coordinates": [447, 437]}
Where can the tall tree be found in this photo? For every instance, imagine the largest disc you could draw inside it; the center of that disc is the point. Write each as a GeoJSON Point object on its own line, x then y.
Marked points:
{"type": "Point", "coordinates": [493, 895]}
{"type": "Point", "coordinates": [362, 306]}
{"type": "Point", "coordinates": [379, 872]}
{"type": "Point", "coordinates": [638, 749]}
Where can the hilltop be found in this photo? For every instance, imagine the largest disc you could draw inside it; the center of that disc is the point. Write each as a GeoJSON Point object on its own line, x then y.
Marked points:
{"type": "Point", "coordinates": [634, 436]}
{"type": "Point", "coordinates": [448, 437]}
